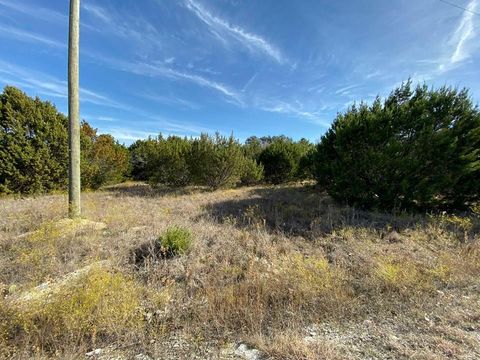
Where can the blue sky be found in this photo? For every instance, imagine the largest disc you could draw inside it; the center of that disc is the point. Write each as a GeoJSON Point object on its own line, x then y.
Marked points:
{"type": "Point", "coordinates": [253, 67]}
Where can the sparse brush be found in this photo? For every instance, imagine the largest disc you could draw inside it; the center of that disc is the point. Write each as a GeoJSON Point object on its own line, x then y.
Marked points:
{"type": "Point", "coordinates": [295, 346]}
{"type": "Point", "coordinates": [97, 304]}
{"type": "Point", "coordinates": [285, 259]}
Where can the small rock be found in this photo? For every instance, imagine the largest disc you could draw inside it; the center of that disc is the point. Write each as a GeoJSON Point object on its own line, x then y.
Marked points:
{"type": "Point", "coordinates": [309, 339]}
{"type": "Point", "coordinates": [312, 330]}
{"type": "Point", "coordinates": [93, 353]}
{"type": "Point", "coordinates": [248, 354]}
{"type": "Point", "coordinates": [142, 357]}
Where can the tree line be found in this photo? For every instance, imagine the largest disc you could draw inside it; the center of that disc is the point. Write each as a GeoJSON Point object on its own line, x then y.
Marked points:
{"type": "Point", "coordinates": [218, 161]}
{"type": "Point", "coordinates": [417, 148]}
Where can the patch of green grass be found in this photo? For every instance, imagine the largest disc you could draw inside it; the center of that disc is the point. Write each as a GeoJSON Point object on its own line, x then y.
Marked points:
{"type": "Point", "coordinates": [176, 240]}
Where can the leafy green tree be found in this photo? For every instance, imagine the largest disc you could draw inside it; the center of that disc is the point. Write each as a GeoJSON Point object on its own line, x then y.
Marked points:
{"type": "Point", "coordinates": [104, 161]}
{"type": "Point", "coordinates": [170, 161]}
{"type": "Point", "coordinates": [216, 161]}
{"type": "Point", "coordinates": [278, 162]}
{"type": "Point", "coordinates": [252, 148]}
{"type": "Point", "coordinates": [34, 148]}
{"type": "Point", "coordinates": [281, 159]}
{"type": "Point", "coordinates": [304, 152]}
{"type": "Point", "coordinates": [33, 144]}
{"type": "Point", "coordinates": [418, 148]}
{"type": "Point", "coordinates": [252, 172]}
{"type": "Point", "coordinates": [306, 165]}
{"type": "Point", "coordinates": [142, 155]}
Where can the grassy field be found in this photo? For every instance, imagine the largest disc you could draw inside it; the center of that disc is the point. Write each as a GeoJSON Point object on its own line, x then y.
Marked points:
{"type": "Point", "coordinates": [283, 270]}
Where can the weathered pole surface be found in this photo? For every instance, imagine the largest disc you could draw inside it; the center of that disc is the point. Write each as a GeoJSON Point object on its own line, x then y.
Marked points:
{"type": "Point", "coordinates": [73, 112]}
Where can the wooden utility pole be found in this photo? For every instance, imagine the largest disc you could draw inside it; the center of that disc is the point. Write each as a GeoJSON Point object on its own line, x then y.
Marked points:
{"type": "Point", "coordinates": [73, 112]}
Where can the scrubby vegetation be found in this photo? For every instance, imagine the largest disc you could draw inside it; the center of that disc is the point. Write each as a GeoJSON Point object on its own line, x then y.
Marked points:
{"type": "Point", "coordinates": [86, 308]}
{"type": "Point", "coordinates": [283, 269]}
{"type": "Point", "coordinates": [282, 160]}
{"type": "Point", "coordinates": [33, 148]}
{"type": "Point", "coordinates": [176, 240]}
{"type": "Point", "coordinates": [419, 148]}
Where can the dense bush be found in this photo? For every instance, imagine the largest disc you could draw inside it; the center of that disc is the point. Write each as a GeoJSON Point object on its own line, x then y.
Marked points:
{"type": "Point", "coordinates": [103, 160]}
{"type": "Point", "coordinates": [216, 161]}
{"type": "Point", "coordinates": [170, 161]}
{"type": "Point", "coordinates": [34, 148]}
{"type": "Point", "coordinates": [252, 172]}
{"type": "Point", "coordinates": [213, 161]}
{"type": "Point", "coordinates": [142, 153]}
{"type": "Point", "coordinates": [418, 148]}
{"type": "Point", "coordinates": [253, 147]}
{"type": "Point", "coordinates": [33, 144]}
{"type": "Point", "coordinates": [282, 160]}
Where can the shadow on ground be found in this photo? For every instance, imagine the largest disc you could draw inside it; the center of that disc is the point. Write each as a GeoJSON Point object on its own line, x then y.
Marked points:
{"type": "Point", "coordinates": [303, 211]}
{"type": "Point", "coordinates": [146, 190]}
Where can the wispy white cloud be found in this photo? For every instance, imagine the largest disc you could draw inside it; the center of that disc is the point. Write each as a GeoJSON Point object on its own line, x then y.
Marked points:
{"type": "Point", "coordinates": [171, 100]}
{"type": "Point", "coordinates": [161, 70]}
{"type": "Point", "coordinates": [346, 90]}
{"type": "Point", "coordinates": [106, 118]}
{"type": "Point", "coordinates": [167, 126]}
{"type": "Point", "coordinates": [461, 44]}
{"type": "Point", "coordinates": [152, 125]}
{"type": "Point", "coordinates": [296, 110]}
{"type": "Point", "coordinates": [22, 35]}
{"type": "Point", "coordinates": [464, 32]}
{"type": "Point", "coordinates": [138, 31]}
{"type": "Point", "coordinates": [155, 126]}
{"type": "Point", "coordinates": [249, 82]}
{"type": "Point", "coordinates": [35, 11]}
{"type": "Point", "coordinates": [222, 28]}
{"type": "Point", "coordinates": [48, 85]}
{"type": "Point", "coordinates": [126, 134]}
{"type": "Point", "coordinates": [97, 11]}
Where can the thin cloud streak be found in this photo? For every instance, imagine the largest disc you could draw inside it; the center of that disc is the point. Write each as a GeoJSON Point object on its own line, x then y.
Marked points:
{"type": "Point", "coordinates": [464, 32]}
{"type": "Point", "coordinates": [97, 11]}
{"type": "Point", "coordinates": [219, 26]}
{"type": "Point", "coordinates": [36, 12]}
{"type": "Point", "coordinates": [18, 34]}
{"type": "Point", "coordinates": [298, 111]}
{"type": "Point", "coordinates": [149, 69]}
{"type": "Point", "coordinates": [134, 28]}
{"type": "Point", "coordinates": [50, 86]}
{"type": "Point", "coordinates": [153, 70]}
{"type": "Point", "coordinates": [461, 45]}
{"type": "Point", "coordinates": [127, 135]}
{"type": "Point", "coordinates": [174, 127]}
{"type": "Point", "coordinates": [171, 101]}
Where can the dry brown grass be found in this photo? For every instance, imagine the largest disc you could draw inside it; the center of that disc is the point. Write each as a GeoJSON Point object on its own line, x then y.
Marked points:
{"type": "Point", "coordinates": [264, 264]}
{"type": "Point", "coordinates": [294, 346]}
